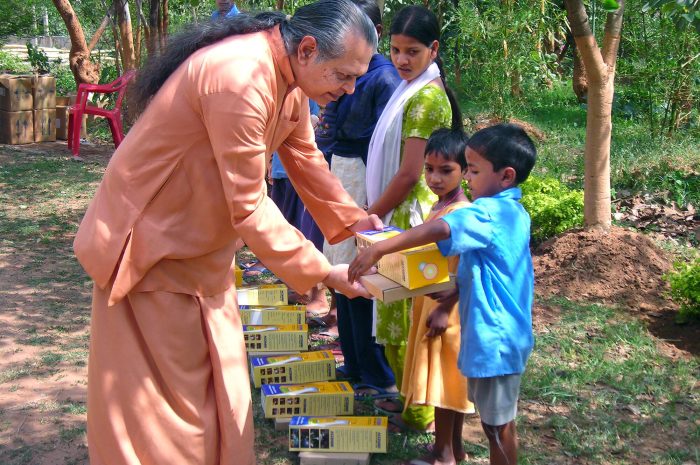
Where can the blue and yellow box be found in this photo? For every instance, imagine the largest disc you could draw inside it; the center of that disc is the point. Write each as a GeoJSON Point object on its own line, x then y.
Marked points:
{"type": "Point", "coordinates": [338, 434]}
{"type": "Point", "coordinates": [276, 338]}
{"type": "Point", "coordinates": [292, 368]}
{"type": "Point", "coordinates": [319, 398]}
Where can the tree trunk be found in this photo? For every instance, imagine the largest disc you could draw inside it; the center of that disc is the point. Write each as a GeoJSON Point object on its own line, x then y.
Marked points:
{"type": "Point", "coordinates": [579, 81]}
{"type": "Point", "coordinates": [83, 69]}
{"type": "Point", "coordinates": [127, 39]}
{"type": "Point", "coordinates": [600, 70]}
{"type": "Point", "coordinates": [153, 42]}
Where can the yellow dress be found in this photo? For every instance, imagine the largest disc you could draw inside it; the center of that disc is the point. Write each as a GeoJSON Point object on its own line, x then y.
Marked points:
{"type": "Point", "coordinates": [431, 375]}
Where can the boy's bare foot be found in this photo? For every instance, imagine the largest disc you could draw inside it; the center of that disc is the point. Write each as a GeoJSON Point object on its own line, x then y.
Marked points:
{"type": "Point", "coordinates": [457, 450]}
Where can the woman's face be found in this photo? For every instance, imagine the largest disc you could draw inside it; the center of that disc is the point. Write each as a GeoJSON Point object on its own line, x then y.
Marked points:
{"type": "Point", "coordinates": [328, 80]}
{"type": "Point", "coordinates": [411, 57]}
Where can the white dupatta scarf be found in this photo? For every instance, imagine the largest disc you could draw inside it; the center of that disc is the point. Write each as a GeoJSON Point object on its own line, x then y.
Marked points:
{"type": "Point", "coordinates": [384, 154]}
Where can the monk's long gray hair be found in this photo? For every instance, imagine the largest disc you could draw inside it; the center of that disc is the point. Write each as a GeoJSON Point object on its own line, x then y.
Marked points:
{"type": "Point", "coordinates": [328, 21]}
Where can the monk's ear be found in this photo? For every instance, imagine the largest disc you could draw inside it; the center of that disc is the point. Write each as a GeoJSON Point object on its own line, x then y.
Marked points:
{"type": "Point", "coordinates": [307, 51]}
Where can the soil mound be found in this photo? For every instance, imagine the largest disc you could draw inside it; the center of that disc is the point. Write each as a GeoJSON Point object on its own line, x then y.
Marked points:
{"type": "Point", "coordinates": [619, 266]}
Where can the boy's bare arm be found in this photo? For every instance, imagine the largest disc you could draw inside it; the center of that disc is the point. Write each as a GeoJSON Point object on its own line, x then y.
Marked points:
{"type": "Point", "coordinates": [426, 233]}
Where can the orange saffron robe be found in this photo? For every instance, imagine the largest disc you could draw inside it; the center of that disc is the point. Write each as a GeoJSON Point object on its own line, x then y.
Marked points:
{"type": "Point", "coordinates": [167, 379]}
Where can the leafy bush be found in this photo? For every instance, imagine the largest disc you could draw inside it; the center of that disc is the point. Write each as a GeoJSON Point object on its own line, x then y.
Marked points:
{"type": "Point", "coordinates": [12, 64]}
{"type": "Point", "coordinates": [553, 207]}
{"type": "Point", "coordinates": [685, 289]}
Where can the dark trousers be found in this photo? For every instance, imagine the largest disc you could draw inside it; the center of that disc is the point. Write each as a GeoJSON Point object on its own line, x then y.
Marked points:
{"type": "Point", "coordinates": [364, 358]}
{"type": "Point", "coordinates": [291, 206]}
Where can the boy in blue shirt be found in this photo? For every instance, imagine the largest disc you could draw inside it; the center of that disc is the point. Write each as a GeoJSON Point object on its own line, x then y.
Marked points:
{"type": "Point", "coordinates": [495, 277]}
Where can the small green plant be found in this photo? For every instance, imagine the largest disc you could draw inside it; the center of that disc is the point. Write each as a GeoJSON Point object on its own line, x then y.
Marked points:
{"type": "Point", "coordinates": [12, 63]}
{"type": "Point", "coordinates": [685, 289]}
{"type": "Point", "coordinates": [553, 207]}
{"type": "Point", "coordinates": [38, 59]}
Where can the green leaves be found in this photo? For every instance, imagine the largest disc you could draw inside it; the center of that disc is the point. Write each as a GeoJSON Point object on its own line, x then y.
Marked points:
{"type": "Point", "coordinates": [685, 289]}
{"type": "Point", "coordinates": [610, 6]}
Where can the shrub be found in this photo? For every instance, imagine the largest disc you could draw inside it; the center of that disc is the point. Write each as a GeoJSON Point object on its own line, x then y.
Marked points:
{"type": "Point", "coordinates": [685, 289]}
{"type": "Point", "coordinates": [13, 64]}
{"type": "Point", "coordinates": [553, 207]}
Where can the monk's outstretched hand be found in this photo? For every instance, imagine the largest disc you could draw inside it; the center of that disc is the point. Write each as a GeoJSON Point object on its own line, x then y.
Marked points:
{"type": "Point", "coordinates": [338, 280]}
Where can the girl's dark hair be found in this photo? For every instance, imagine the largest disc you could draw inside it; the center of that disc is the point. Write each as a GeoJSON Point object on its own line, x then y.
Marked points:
{"type": "Point", "coordinates": [506, 145]}
{"type": "Point", "coordinates": [449, 144]}
{"type": "Point", "coordinates": [371, 9]}
{"type": "Point", "coordinates": [421, 24]}
{"type": "Point", "coordinates": [328, 21]}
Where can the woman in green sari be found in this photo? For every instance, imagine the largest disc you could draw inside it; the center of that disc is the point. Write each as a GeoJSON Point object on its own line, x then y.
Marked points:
{"type": "Point", "coordinates": [396, 188]}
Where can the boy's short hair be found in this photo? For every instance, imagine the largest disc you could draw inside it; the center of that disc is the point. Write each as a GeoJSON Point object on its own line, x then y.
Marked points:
{"type": "Point", "coordinates": [450, 144]}
{"type": "Point", "coordinates": [506, 145]}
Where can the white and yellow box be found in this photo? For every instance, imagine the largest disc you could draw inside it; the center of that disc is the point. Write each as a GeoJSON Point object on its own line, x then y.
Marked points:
{"type": "Point", "coordinates": [276, 338]}
{"type": "Point", "coordinates": [273, 314]}
{"type": "Point", "coordinates": [319, 398]}
{"type": "Point", "coordinates": [293, 368]}
{"type": "Point", "coordinates": [338, 434]}
{"type": "Point", "coordinates": [265, 294]}
{"type": "Point", "coordinates": [412, 268]}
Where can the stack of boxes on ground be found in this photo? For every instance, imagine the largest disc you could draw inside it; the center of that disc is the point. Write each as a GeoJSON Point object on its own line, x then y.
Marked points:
{"type": "Point", "coordinates": [298, 387]}
{"type": "Point", "coordinates": [27, 109]}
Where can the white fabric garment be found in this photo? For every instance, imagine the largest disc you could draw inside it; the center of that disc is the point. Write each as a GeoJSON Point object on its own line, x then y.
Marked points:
{"type": "Point", "coordinates": [384, 155]}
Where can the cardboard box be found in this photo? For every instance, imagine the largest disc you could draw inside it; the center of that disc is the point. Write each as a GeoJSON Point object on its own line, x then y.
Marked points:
{"type": "Point", "coordinates": [238, 273]}
{"type": "Point", "coordinates": [63, 101]}
{"type": "Point", "coordinates": [319, 398]}
{"type": "Point", "coordinates": [274, 338]}
{"type": "Point", "coordinates": [388, 291]}
{"type": "Point", "coordinates": [273, 315]}
{"type": "Point", "coordinates": [266, 294]}
{"type": "Point", "coordinates": [16, 92]}
{"type": "Point", "coordinates": [16, 127]}
{"type": "Point", "coordinates": [300, 368]}
{"type": "Point", "coordinates": [61, 123]}
{"type": "Point", "coordinates": [412, 268]}
{"type": "Point", "coordinates": [45, 125]}
{"type": "Point", "coordinates": [334, 458]}
{"type": "Point", "coordinates": [44, 91]}
{"type": "Point", "coordinates": [338, 434]}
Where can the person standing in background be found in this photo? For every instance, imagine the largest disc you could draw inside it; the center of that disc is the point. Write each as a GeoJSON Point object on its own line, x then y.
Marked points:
{"type": "Point", "coordinates": [343, 136]}
{"type": "Point", "coordinates": [224, 9]}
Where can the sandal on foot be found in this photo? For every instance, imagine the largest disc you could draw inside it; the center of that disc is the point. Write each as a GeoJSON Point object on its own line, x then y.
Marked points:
{"type": "Point", "coordinates": [389, 406]}
{"type": "Point", "coordinates": [372, 392]}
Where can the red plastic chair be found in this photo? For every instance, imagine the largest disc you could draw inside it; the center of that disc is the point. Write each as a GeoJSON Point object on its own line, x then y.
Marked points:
{"type": "Point", "coordinates": [114, 115]}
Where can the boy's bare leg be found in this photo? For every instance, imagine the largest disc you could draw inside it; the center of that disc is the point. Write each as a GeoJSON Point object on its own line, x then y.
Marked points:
{"type": "Point", "coordinates": [457, 442]}
{"type": "Point", "coordinates": [444, 435]}
{"type": "Point", "coordinates": [503, 443]}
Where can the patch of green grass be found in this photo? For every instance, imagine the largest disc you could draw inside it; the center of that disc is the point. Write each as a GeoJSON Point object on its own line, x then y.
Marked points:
{"type": "Point", "coordinates": [13, 373]}
{"type": "Point", "coordinates": [69, 434]}
{"type": "Point", "coordinates": [74, 408]}
{"type": "Point", "coordinates": [51, 359]}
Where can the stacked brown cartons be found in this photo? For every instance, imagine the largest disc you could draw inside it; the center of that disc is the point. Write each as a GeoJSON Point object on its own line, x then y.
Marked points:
{"type": "Point", "coordinates": [62, 106]}
{"type": "Point", "coordinates": [16, 103]}
{"type": "Point", "coordinates": [44, 90]}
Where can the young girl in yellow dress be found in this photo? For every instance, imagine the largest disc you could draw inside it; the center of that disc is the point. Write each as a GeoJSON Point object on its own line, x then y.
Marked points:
{"type": "Point", "coordinates": [431, 375]}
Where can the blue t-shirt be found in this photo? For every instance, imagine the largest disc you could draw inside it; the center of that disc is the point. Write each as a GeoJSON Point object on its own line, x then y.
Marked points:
{"type": "Point", "coordinates": [277, 170]}
{"type": "Point", "coordinates": [347, 125]}
{"type": "Point", "coordinates": [496, 284]}
{"type": "Point", "coordinates": [232, 12]}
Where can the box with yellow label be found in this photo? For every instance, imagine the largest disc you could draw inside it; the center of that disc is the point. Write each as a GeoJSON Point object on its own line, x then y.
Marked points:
{"type": "Point", "coordinates": [275, 338]}
{"type": "Point", "coordinates": [319, 398]}
{"type": "Point", "coordinates": [273, 315]}
{"type": "Point", "coordinates": [412, 268]}
{"type": "Point", "coordinates": [338, 434]}
{"type": "Point", "coordinates": [266, 294]}
{"type": "Point", "coordinates": [297, 368]}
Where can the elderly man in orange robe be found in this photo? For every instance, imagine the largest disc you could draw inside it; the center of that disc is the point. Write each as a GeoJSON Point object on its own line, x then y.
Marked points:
{"type": "Point", "coordinates": [167, 379]}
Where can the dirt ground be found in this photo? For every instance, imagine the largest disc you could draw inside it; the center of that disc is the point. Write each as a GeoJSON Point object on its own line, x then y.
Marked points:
{"type": "Point", "coordinates": [622, 268]}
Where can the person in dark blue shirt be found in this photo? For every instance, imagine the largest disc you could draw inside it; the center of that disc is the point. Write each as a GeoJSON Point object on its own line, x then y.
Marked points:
{"type": "Point", "coordinates": [224, 9]}
{"type": "Point", "coordinates": [343, 135]}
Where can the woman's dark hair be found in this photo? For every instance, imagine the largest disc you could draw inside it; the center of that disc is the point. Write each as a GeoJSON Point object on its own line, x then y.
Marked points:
{"type": "Point", "coordinates": [371, 9]}
{"type": "Point", "coordinates": [450, 144]}
{"type": "Point", "coordinates": [328, 21]}
{"type": "Point", "coordinates": [506, 145]}
{"type": "Point", "coordinates": [421, 24]}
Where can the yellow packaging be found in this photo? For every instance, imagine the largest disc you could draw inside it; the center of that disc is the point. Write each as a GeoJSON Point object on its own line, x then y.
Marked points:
{"type": "Point", "coordinates": [275, 338]}
{"type": "Point", "coordinates": [273, 315]}
{"type": "Point", "coordinates": [412, 268]}
{"type": "Point", "coordinates": [338, 434]}
{"type": "Point", "coordinates": [266, 294]}
{"type": "Point", "coordinates": [298, 368]}
{"type": "Point", "coordinates": [238, 273]}
{"type": "Point", "coordinates": [319, 398]}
